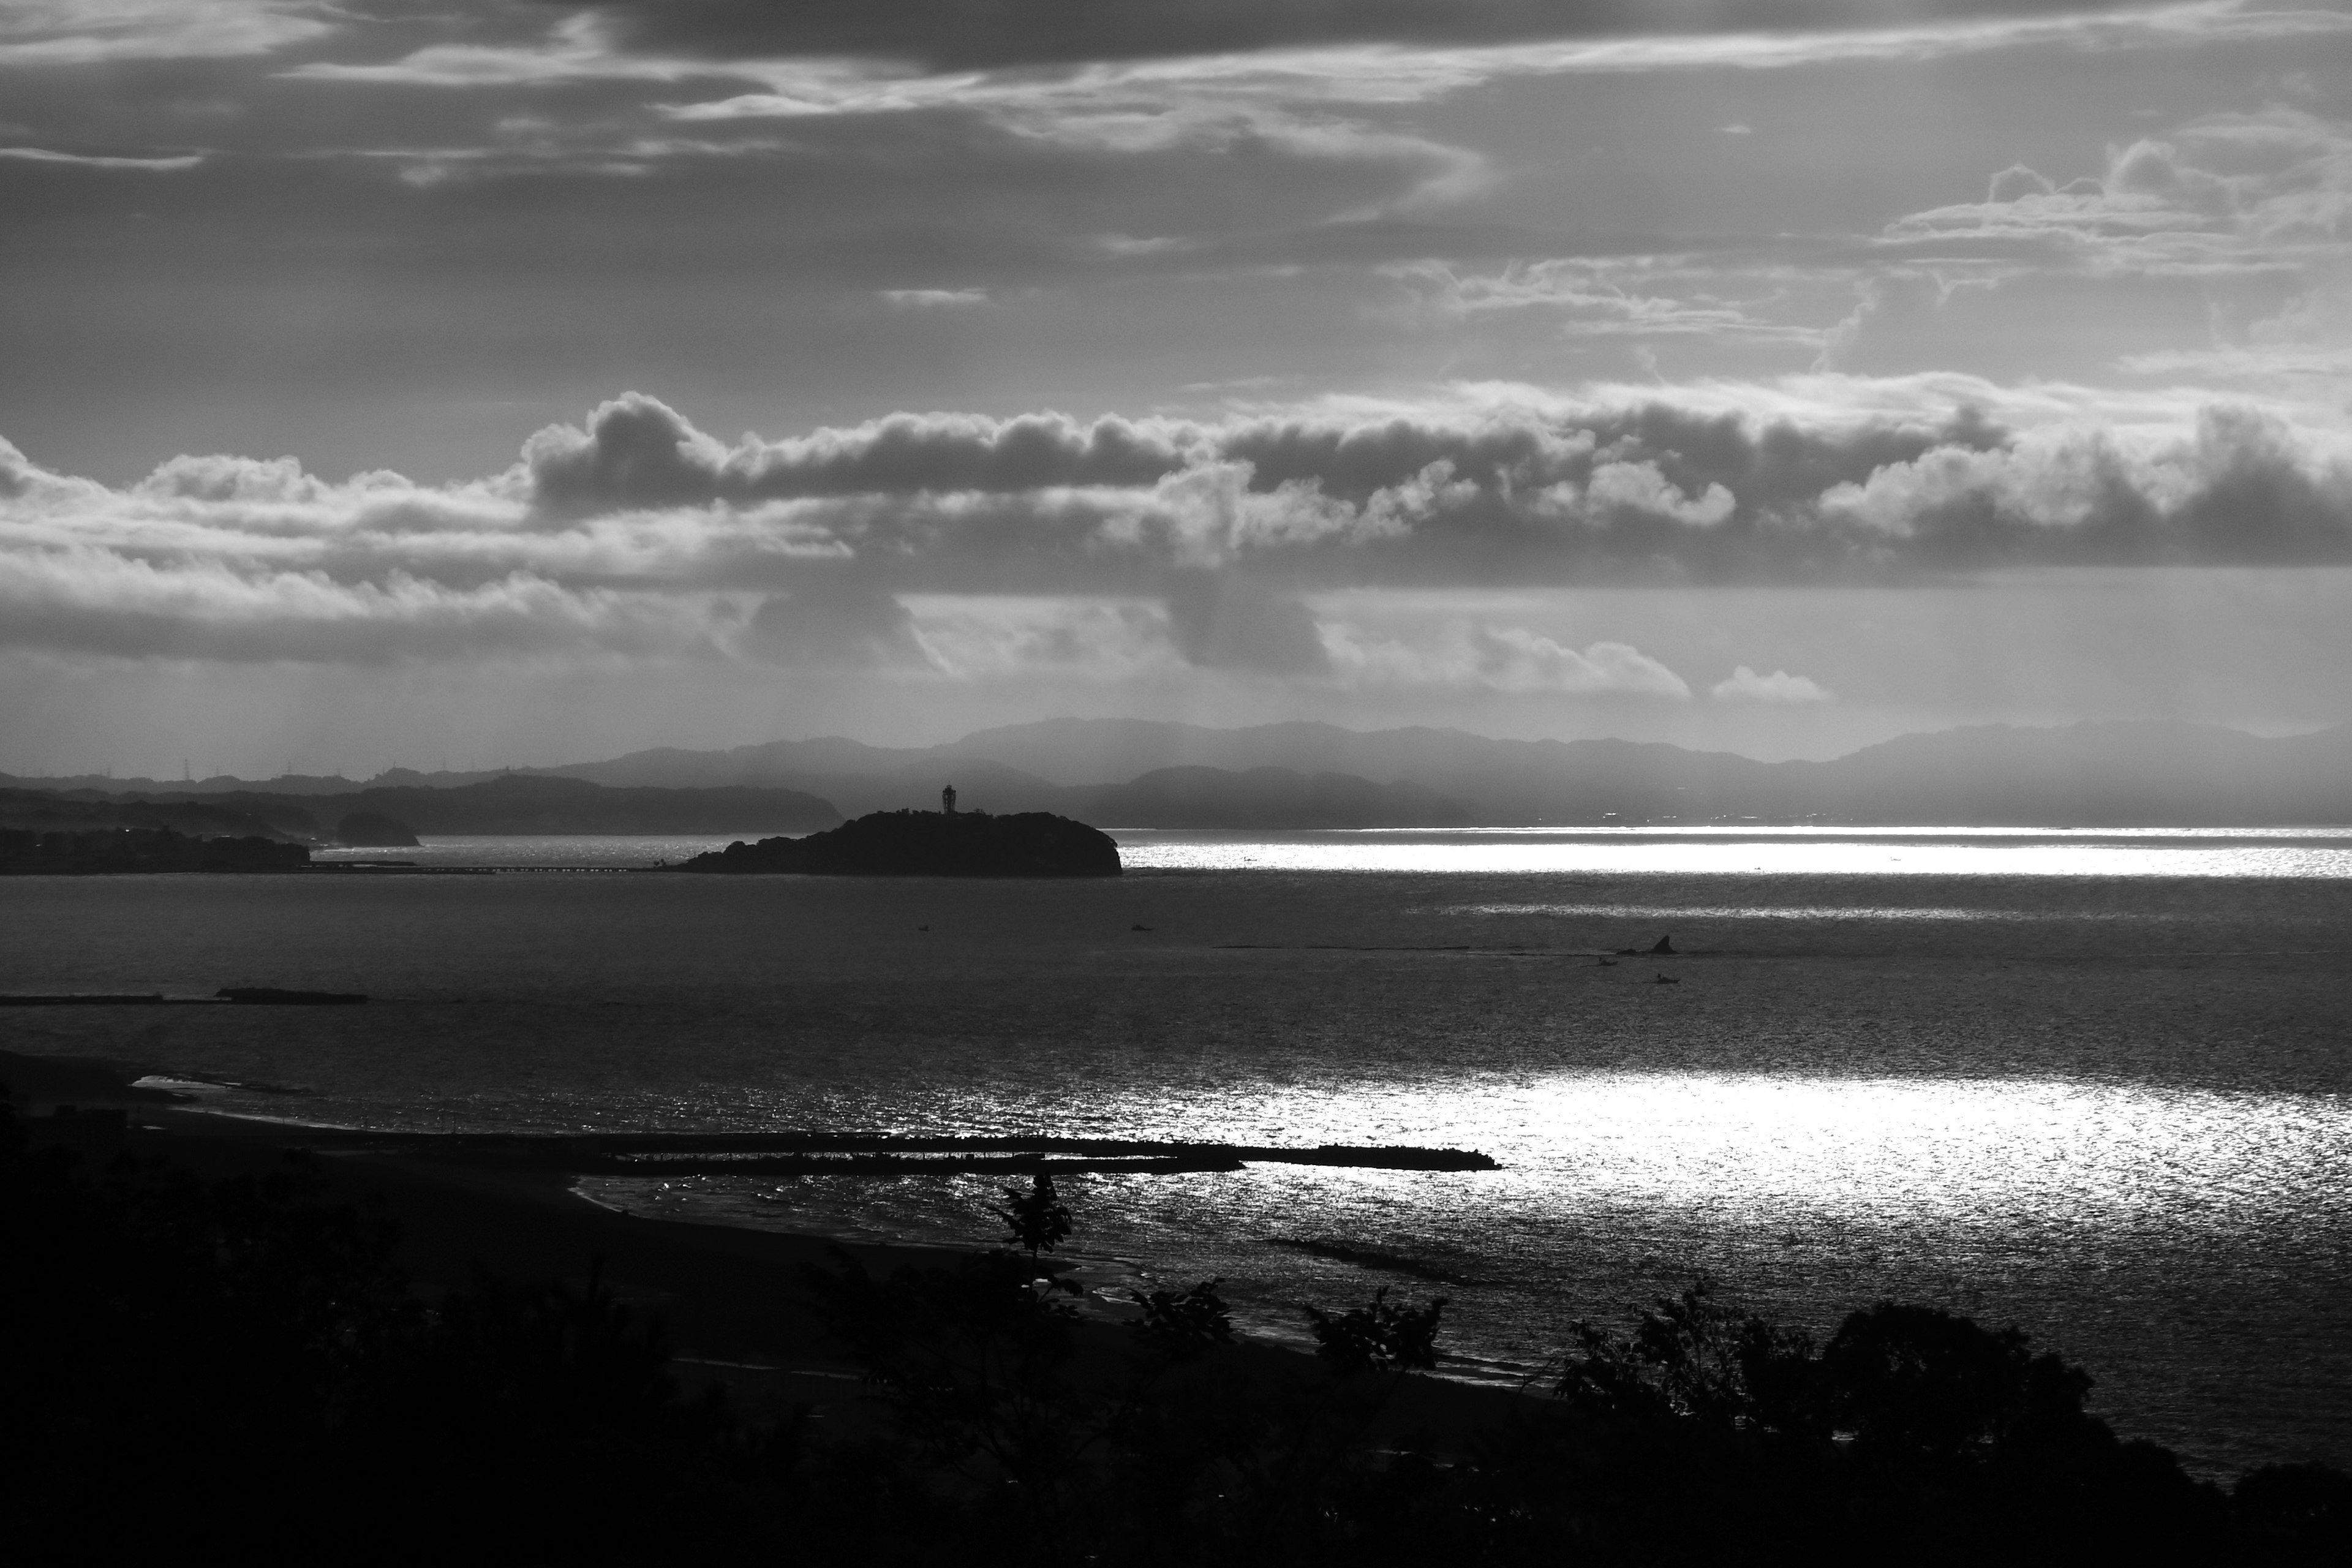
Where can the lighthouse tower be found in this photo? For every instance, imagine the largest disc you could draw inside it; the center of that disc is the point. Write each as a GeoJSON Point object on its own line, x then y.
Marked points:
{"type": "Point", "coordinates": [947, 800]}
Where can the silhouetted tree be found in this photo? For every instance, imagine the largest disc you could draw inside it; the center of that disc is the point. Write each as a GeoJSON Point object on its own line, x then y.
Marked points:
{"type": "Point", "coordinates": [1037, 1218]}
{"type": "Point", "coordinates": [1693, 1355]}
{"type": "Point", "coordinates": [1920, 1380]}
{"type": "Point", "coordinates": [1380, 1335]}
{"type": "Point", "coordinates": [1180, 1323]}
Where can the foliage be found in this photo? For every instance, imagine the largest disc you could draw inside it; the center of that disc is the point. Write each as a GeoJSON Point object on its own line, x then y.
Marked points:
{"type": "Point", "coordinates": [178, 1342]}
{"type": "Point", "coordinates": [1380, 1335]}
{"type": "Point", "coordinates": [1039, 1219]}
{"type": "Point", "coordinates": [1179, 1325]}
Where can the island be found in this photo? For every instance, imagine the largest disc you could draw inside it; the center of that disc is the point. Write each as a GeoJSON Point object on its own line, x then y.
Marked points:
{"type": "Point", "coordinates": [946, 843]}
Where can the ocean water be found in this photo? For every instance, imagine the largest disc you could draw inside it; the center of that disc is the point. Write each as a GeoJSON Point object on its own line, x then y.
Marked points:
{"type": "Point", "coordinates": [2096, 1084]}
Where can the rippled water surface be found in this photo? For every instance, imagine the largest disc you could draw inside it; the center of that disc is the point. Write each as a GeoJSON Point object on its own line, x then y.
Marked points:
{"type": "Point", "coordinates": [2096, 1084]}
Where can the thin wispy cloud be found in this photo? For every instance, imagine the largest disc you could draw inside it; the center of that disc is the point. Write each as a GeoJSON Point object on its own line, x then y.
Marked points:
{"type": "Point", "coordinates": [102, 161]}
{"type": "Point", "coordinates": [34, 33]}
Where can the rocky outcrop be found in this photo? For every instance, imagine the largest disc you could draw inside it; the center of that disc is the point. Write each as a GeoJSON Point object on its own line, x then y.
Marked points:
{"type": "Point", "coordinates": [931, 844]}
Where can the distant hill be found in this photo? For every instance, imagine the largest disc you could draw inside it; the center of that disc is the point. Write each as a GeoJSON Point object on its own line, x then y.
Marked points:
{"type": "Point", "coordinates": [2093, 774]}
{"type": "Point", "coordinates": [1137, 772]}
{"type": "Point", "coordinates": [1263, 797]}
{"type": "Point", "coordinates": [46, 811]}
{"type": "Point", "coordinates": [513, 803]}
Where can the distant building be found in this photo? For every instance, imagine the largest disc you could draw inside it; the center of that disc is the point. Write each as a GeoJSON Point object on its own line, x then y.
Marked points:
{"type": "Point", "coordinates": [947, 800]}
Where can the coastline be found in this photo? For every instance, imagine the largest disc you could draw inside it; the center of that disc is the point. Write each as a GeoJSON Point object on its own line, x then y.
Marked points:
{"type": "Point", "coordinates": [733, 1300]}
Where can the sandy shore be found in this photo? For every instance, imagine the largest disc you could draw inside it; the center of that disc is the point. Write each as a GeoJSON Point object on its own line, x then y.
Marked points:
{"type": "Point", "coordinates": [733, 1299]}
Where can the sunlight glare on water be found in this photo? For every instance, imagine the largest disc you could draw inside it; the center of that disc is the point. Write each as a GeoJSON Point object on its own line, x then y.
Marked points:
{"type": "Point", "coordinates": [2302, 855]}
{"type": "Point", "coordinates": [1771, 1149]}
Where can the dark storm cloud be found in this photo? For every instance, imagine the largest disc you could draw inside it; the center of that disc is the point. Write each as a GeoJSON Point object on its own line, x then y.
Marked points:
{"type": "Point", "coordinates": [637, 534]}
{"type": "Point", "coordinates": [989, 34]}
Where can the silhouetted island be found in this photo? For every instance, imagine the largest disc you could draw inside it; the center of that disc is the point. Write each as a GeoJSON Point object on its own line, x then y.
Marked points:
{"type": "Point", "coordinates": [946, 843]}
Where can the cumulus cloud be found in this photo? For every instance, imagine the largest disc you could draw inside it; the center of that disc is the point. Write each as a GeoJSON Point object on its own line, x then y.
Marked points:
{"type": "Point", "coordinates": [1745, 685]}
{"type": "Point", "coordinates": [635, 530]}
{"type": "Point", "coordinates": [1469, 656]}
{"type": "Point", "coordinates": [1513, 659]}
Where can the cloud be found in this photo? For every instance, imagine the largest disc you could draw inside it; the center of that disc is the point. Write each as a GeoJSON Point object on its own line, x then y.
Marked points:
{"type": "Point", "coordinates": [961, 34]}
{"type": "Point", "coordinates": [1225, 621]}
{"type": "Point", "coordinates": [635, 531]}
{"type": "Point", "coordinates": [91, 32]}
{"type": "Point", "coordinates": [2223, 195]}
{"type": "Point", "coordinates": [2174, 258]}
{"type": "Point", "coordinates": [87, 160]}
{"type": "Point", "coordinates": [1137, 76]}
{"type": "Point", "coordinates": [1512, 660]}
{"type": "Point", "coordinates": [1468, 656]}
{"type": "Point", "coordinates": [1746, 686]}
{"type": "Point", "coordinates": [2303, 349]}
{"type": "Point", "coordinates": [935, 299]}
{"type": "Point", "coordinates": [1589, 296]}
{"type": "Point", "coordinates": [835, 626]}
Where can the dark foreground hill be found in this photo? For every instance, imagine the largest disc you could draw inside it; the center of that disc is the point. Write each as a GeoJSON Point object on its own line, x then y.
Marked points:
{"type": "Point", "coordinates": [931, 844]}
{"type": "Point", "coordinates": [198, 1317]}
{"type": "Point", "coordinates": [55, 811]}
{"type": "Point", "coordinates": [27, 853]}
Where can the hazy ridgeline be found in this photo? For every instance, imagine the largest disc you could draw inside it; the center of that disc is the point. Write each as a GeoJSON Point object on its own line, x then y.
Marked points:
{"type": "Point", "coordinates": [1135, 774]}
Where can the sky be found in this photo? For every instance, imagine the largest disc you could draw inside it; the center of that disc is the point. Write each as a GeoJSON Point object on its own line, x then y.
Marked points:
{"type": "Point", "coordinates": [462, 383]}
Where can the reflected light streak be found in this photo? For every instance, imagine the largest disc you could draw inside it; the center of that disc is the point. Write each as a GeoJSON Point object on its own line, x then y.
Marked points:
{"type": "Point", "coordinates": [1771, 912]}
{"type": "Point", "coordinates": [1489, 857]}
{"type": "Point", "coordinates": [1772, 1148]}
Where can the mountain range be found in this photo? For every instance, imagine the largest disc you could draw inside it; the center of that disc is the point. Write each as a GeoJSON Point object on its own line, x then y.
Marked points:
{"type": "Point", "coordinates": [1138, 774]}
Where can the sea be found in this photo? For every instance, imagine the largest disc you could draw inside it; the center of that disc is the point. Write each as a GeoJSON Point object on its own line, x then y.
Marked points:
{"type": "Point", "coordinates": [2094, 1084]}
